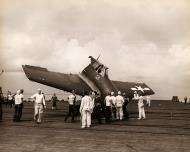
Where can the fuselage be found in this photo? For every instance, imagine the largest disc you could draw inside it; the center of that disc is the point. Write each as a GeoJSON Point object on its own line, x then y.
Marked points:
{"type": "Point", "coordinates": [99, 79]}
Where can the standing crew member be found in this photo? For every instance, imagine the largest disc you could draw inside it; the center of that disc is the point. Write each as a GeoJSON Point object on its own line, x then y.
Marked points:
{"type": "Point", "coordinates": [148, 101]}
{"type": "Point", "coordinates": [18, 105]}
{"type": "Point", "coordinates": [126, 99]}
{"type": "Point", "coordinates": [10, 99]}
{"type": "Point", "coordinates": [71, 101]}
{"type": "Point", "coordinates": [119, 106]}
{"type": "Point", "coordinates": [93, 96]}
{"type": "Point", "coordinates": [141, 110]}
{"type": "Point", "coordinates": [1, 101]}
{"type": "Point", "coordinates": [54, 101]}
{"type": "Point", "coordinates": [113, 109]}
{"type": "Point", "coordinates": [185, 99]}
{"type": "Point", "coordinates": [22, 104]}
{"type": "Point", "coordinates": [86, 109]}
{"type": "Point", "coordinates": [97, 111]}
{"type": "Point", "coordinates": [39, 105]}
{"type": "Point", "coordinates": [108, 103]}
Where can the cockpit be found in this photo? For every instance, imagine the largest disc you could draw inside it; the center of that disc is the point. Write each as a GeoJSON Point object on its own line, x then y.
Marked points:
{"type": "Point", "coordinates": [99, 67]}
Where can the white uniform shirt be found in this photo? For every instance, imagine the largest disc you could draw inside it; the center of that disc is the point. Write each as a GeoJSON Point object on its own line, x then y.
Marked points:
{"type": "Point", "coordinates": [108, 101]}
{"type": "Point", "coordinates": [71, 99]}
{"type": "Point", "coordinates": [119, 101]}
{"type": "Point", "coordinates": [39, 98]}
{"type": "Point", "coordinates": [86, 104]}
{"type": "Point", "coordinates": [18, 98]}
{"type": "Point", "coordinates": [10, 97]}
{"type": "Point", "coordinates": [136, 96]}
{"type": "Point", "coordinates": [148, 98]}
{"type": "Point", "coordinates": [113, 98]}
{"type": "Point", "coordinates": [140, 101]}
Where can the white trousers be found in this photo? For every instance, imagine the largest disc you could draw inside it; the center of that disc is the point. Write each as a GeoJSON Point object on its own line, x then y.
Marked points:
{"type": "Point", "coordinates": [119, 113]}
{"type": "Point", "coordinates": [148, 102]}
{"type": "Point", "coordinates": [38, 110]}
{"type": "Point", "coordinates": [86, 118]}
{"type": "Point", "coordinates": [141, 112]}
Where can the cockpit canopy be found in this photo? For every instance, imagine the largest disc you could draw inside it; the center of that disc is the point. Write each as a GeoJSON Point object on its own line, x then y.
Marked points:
{"type": "Point", "coordinates": [99, 67]}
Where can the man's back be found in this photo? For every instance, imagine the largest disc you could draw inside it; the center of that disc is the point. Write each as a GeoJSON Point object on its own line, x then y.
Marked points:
{"type": "Point", "coordinates": [108, 100]}
{"type": "Point", "coordinates": [71, 99]}
{"type": "Point", "coordinates": [86, 103]}
{"type": "Point", "coordinates": [119, 101]}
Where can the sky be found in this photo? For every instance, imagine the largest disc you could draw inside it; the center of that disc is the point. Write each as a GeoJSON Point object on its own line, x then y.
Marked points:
{"type": "Point", "coordinates": [140, 40]}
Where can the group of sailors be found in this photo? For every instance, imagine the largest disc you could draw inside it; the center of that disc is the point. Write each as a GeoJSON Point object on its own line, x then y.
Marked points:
{"type": "Point", "coordinates": [18, 99]}
{"type": "Point", "coordinates": [184, 100]}
{"type": "Point", "coordinates": [113, 107]}
{"type": "Point", "coordinates": [90, 107]}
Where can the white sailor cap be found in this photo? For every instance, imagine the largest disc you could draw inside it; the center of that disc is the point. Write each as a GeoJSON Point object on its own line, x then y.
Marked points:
{"type": "Point", "coordinates": [18, 91]}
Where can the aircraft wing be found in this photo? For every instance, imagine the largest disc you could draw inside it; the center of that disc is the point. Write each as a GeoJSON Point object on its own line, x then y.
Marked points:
{"type": "Point", "coordinates": [130, 87]}
{"type": "Point", "coordinates": [66, 82]}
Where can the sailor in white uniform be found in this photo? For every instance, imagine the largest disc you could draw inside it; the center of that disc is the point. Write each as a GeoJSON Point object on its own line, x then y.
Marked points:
{"type": "Point", "coordinates": [141, 110]}
{"type": "Point", "coordinates": [113, 106]}
{"type": "Point", "coordinates": [86, 109]}
{"type": "Point", "coordinates": [39, 105]}
{"type": "Point", "coordinates": [119, 106]}
{"type": "Point", "coordinates": [148, 101]}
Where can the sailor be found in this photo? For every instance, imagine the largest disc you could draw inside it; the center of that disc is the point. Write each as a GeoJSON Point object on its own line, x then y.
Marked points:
{"type": "Point", "coordinates": [10, 99]}
{"type": "Point", "coordinates": [86, 109]}
{"type": "Point", "coordinates": [93, 96]}
{"type": "Point", "coordinates": [108, 104]}
{"type": "Point", "coordinates": [141, 110]}
{"type": "Point", "coordinates": [22, 104]}
{"type": "Point", "coordinates": [119, 106]}
{"type": "Point", "coordinates": [54, 101]}
{"type": "Point", "coordinates": [71, 101]}
{"type": "Point", "coordinates": [185, 99]}
{"type": "Point", "coordinates": [136, 96]}
{"type": "Point", "coordinates": [97, 111]}
{"type": "Point", "coordinates": [148, 101]}
{"type": "Point", "coordinates": [125, 105]}
{"type": "Point", "coordinates": [113, 98]}
{"type": "Point", "coordinates": [6, 102]}
{"type": "Point", "coordinates": [39, 105]}
{"type": "Point", "coordinates": [18, 105]}
{"type": "Point", "coordinates": [1, 102]}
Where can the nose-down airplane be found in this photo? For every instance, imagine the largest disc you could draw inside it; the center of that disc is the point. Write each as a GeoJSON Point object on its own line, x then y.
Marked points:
{"type": "Point", "coordinates": [93, 78]}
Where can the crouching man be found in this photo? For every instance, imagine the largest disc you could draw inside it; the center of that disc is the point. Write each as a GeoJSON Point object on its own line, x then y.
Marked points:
{"type": "Point", "coordinates": [86, 109]}
{"type": "Point", "coordinates": [39, 105]}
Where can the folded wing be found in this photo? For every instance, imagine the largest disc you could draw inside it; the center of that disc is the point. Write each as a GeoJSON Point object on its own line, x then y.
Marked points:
{"type": "Point", "coordinates": [130, 87]}
{"type": "Point", "coordinates": [66, 82]}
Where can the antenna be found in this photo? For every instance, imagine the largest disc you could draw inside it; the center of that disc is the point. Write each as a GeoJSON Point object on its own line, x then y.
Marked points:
{"type": "Point", "coordinates": [98, 57]}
